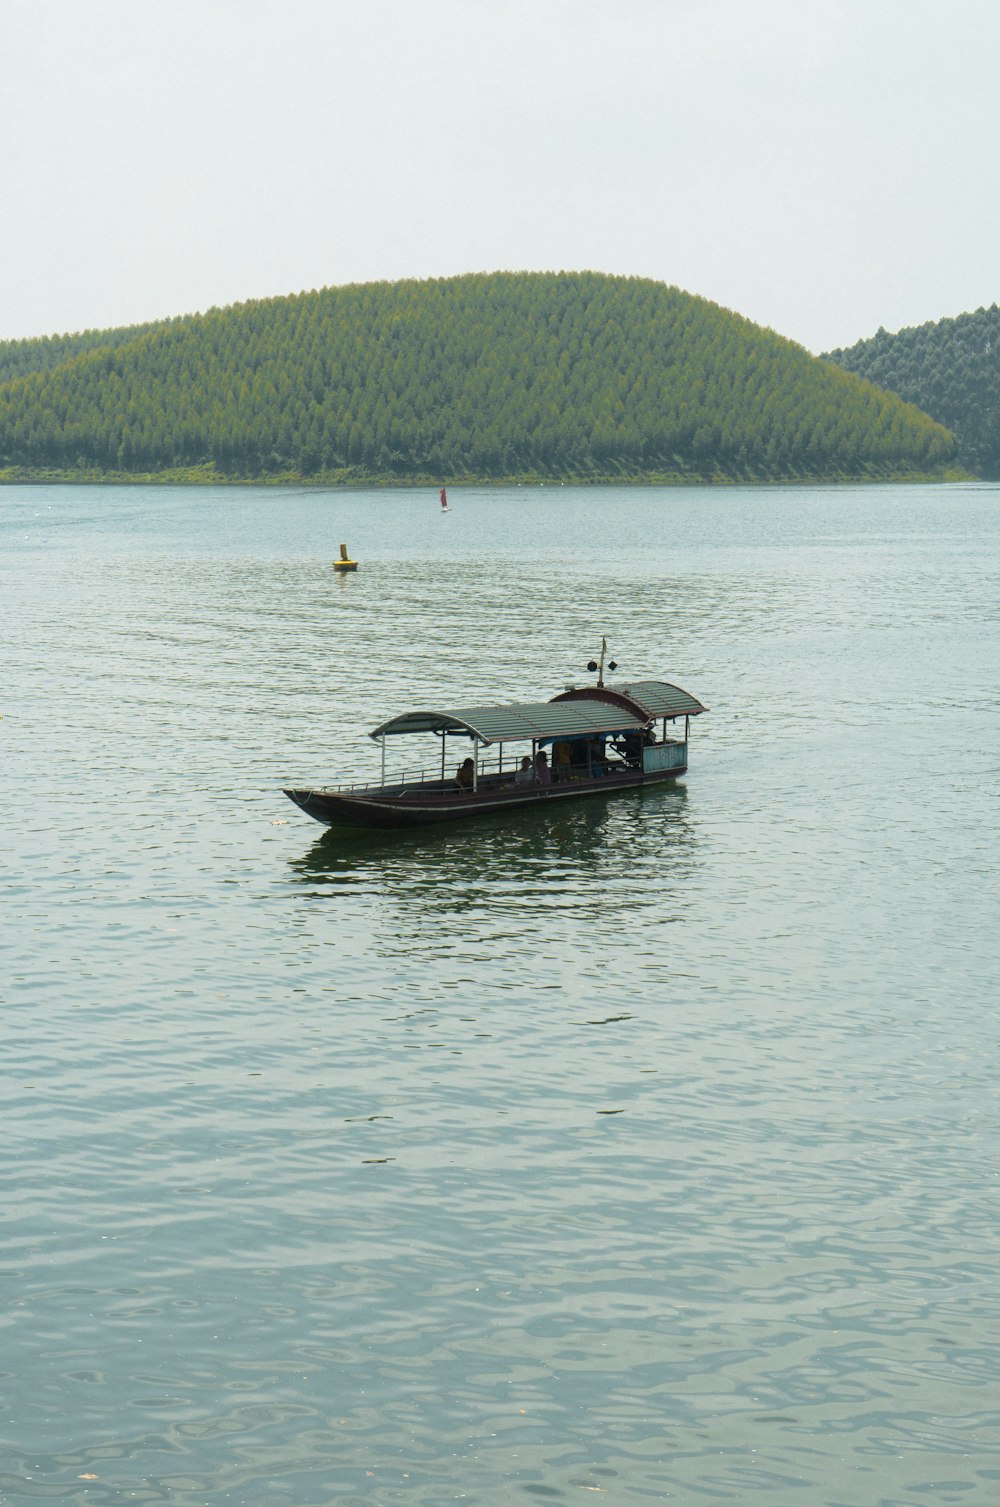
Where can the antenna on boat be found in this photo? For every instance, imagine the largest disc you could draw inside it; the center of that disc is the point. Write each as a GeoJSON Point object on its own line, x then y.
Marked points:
{"type": "Point", "coordinates": [593, 665]}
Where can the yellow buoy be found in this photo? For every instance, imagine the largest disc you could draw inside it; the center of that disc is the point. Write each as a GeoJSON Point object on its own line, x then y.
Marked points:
{"type": "Point", "coordinates": [344, 563]}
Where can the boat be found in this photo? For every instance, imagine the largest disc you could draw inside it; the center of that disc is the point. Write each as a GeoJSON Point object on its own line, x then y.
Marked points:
{"type": "Point", "coordinates": [586, 741]}
{"type": "Point", "coordinates": [444, 501]}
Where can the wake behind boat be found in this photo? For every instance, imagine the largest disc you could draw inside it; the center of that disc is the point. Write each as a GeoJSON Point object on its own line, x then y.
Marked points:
{"type": "Point", "coordinates": [591, 740]}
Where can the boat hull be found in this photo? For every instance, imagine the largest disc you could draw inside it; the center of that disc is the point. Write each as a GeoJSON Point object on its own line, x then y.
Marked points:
{"type": "Point", "coordinates": [335, 808]}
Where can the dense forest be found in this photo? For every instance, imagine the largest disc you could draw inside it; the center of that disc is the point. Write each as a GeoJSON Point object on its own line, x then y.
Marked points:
{"type": "Point", "coordinates": [18, 357]}
{"type": "Point", "coordinates": [503, 376]}
{"type": "Point", "coordinates": [950, 369]}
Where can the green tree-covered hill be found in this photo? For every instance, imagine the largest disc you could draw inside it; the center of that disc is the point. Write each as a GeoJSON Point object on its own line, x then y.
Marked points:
{"type": "Point", "coordinates": [950, 369]}
{"type": "Point", "coordinates": [493, 376]}
{"type": "Point", "coordinates": [18, 357]}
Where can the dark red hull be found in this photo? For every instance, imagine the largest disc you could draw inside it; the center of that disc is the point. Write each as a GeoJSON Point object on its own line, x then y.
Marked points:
{"type": "Point", "coordinates": [416, 808]}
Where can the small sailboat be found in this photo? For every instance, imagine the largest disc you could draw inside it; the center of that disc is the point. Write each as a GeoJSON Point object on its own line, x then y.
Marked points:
{"type": "Point", "coordinates": [444, 501]}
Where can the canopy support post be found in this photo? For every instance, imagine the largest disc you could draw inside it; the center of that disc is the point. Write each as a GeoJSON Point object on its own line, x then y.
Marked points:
{"type": "Point", "coordinates": [475, 765]}
{"type": "Point", "coordinates": [442, 757]}
{"type": "Point", "coordinates": [382, 741]}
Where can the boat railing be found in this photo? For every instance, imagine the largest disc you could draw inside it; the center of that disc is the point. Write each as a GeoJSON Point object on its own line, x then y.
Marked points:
{"type": "Point", "coordinates": [491, 771]}
{"type": "Point", "coordinates": [392, 781]}
{"type": "Point", "coordinates": [670, 754]}
{"type": "Point", "coordinates": [494, 772]}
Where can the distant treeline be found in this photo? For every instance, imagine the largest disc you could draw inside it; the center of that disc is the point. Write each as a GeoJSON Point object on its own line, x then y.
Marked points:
{"type": "Point", "coordinates": [950, 369]}
{"type": "Point", "coordinates": [19, 357]}
{"type": "Point", "coordinates": [495, 376]}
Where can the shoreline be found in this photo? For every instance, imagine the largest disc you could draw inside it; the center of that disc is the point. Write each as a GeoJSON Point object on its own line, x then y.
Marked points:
{"type": "Point", "coordinates": [206, 477]}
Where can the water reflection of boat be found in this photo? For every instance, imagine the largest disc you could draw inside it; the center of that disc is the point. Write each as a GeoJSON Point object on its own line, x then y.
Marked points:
{"type": "Point", "coordinates": [592, 857]}
{"type": "Point", "coordinates": [603, 739]}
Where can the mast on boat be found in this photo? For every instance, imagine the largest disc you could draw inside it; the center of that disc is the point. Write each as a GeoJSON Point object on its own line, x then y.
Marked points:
{"type": "Point", "coordinates": [593, 665]}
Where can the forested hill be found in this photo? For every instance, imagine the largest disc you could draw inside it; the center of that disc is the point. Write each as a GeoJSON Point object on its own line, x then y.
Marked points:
{"type": "Point", "coordinates": [498, 376]}
{"type": "Point", "coordinates": [950, 369]}
{"type": "Point", "coordinates": [20, 356]}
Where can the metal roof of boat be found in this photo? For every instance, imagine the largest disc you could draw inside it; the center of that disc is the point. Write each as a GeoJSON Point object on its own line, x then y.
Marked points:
{"type": "Point", "coordinates": [655, 697]}
{"type": "Point", "coordinates": [660, 699]}
{"type": "Point", "coordinates": [523, 720]}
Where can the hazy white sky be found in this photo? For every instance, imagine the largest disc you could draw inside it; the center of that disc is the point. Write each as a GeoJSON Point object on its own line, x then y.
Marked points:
{"type": "Point", "coordinates": [822, 166]}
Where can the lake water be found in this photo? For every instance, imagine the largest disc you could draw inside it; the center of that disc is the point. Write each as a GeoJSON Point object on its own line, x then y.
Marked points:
{"type": "Point", "coordinates": [647, 1149]}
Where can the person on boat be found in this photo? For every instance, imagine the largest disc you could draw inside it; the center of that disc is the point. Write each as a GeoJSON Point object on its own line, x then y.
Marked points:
{"type": "Point", "coordinates": [465, 775]}
{"type": "Point", "coordinates": [561, 761]}
{"type": "Point", "coordinates": [525, 775]}
{"type": "Point", "coordinates": [587, 756]}
{"type": "Point", "coordinates": [631, 750]}
{"type": "Point", "coordinates": [578, 757]}
{"type": "Point", "coordinates": [543, 773]}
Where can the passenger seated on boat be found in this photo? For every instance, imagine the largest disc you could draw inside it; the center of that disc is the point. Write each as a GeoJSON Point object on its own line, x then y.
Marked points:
{"type": "Point", "coordinates": [561, 761]}
{"type": "Point", "coordinates": [588, 758]}
{"type": "Point", "coordinates": [465, 775]}
{"type": "Point", "coordinates": [630, 749]}
{"type": "Point", "coordinates": [525, 775]}
{"type": "Point", "coordinates": [543, 773]}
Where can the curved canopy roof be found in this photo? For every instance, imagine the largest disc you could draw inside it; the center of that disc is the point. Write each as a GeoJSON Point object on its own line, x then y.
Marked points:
{"type": "Point", "coordinates": [659, 699]}
{"type": "Point", "coordinates": [523, 720]}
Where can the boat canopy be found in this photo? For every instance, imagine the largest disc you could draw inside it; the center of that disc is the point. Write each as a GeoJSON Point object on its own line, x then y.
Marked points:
{"type": "Point", "coordinates": [660, 699]}
{"type": "Point", "coordinates": [654, 697]}
{"type": "Point", "coordinates": [521, 721]}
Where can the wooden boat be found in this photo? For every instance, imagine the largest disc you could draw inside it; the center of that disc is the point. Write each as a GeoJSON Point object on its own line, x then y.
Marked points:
{"type": "Point", "coordinates": [600, 739]}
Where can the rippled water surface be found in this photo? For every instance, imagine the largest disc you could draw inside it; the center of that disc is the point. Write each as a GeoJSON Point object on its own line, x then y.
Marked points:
{"type": "Point", "coordinates": [646, 1149]}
